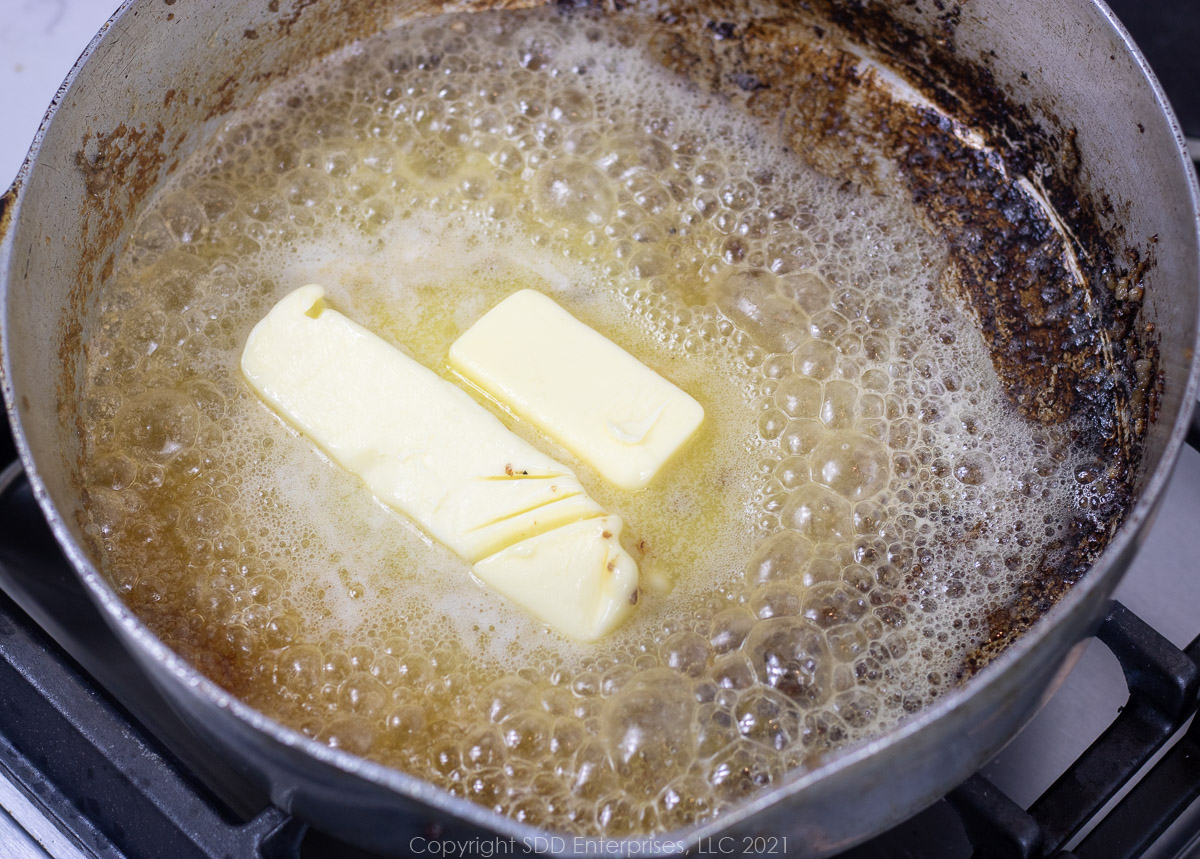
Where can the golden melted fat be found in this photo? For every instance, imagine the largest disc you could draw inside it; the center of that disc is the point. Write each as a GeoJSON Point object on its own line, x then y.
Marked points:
{"type": "Point", "coordinates": [815, 566]}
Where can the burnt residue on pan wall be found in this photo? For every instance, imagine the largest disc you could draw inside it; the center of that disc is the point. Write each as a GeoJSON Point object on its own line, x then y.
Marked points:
{"type": "Point", "coordinates": [119, 169]}
{"type": "Point", "coordinates": [1040, 258]}
{"type": "Point", "coordinates": [1057, 295]}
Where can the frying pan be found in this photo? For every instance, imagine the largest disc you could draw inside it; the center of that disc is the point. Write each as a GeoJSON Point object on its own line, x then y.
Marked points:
{"type": "Point", "coordinates": [1050, 97]}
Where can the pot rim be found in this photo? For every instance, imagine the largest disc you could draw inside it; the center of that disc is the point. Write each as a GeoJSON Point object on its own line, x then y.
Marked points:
{"type": "Point", "coordinates": [145, 645]}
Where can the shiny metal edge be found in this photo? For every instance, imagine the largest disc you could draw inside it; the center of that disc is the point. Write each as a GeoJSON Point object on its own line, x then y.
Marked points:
{"type": "Point", "coordinates": [27, 832]}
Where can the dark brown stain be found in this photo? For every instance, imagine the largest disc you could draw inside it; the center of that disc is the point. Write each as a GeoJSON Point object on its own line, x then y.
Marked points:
{"type": "Point", "coordinates": [120, 168]}
{"type": "Point", "coordinates": [250, 34]}
{"type": "Point", "coordinates": [288, 21]}
{"type": "Point", "coordinates": [123, 161]}
{"type": "Point", "coordinates": [6, 207]}
{"type": "Point", "coordinates": [223, 98]}
{"type": "Point", "coordinates": [168, 97]}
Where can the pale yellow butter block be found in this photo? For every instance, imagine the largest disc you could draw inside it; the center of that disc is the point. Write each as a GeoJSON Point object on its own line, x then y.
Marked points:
{"type": "Point", "coordinates": [578, 387]}
{"type": "Point", "coordinates": [532, 573]}
{"type": "Point", "coordinates": [427, 449]}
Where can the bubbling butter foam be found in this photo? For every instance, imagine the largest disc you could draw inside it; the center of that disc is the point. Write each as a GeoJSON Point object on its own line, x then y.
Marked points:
{"type": "Point", "coordinates": [815, 565]}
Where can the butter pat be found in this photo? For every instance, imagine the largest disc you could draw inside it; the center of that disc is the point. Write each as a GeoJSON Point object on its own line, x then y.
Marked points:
{"type": "Point", "coordinates": [528, 573]}
{"type": "Point", "coordinates": [578, 387]}
{"type": "Point", "coordinates": [425, 448]}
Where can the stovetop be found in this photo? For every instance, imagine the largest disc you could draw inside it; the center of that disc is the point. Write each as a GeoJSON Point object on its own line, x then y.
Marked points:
{"type": "Point", "coordinates": [80, 777]}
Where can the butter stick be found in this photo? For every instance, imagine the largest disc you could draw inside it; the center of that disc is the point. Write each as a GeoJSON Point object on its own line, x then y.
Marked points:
{"type": "Point", "coordinates": [578, 387]}
{"type": "Point", "coordinates": [425, 448]}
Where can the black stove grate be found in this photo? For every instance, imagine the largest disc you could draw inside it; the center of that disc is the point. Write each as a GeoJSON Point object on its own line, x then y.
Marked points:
{"type": "Point", "coordinates": [1163, 684]}
{"type": "Point", "coordinates": [87, 765]}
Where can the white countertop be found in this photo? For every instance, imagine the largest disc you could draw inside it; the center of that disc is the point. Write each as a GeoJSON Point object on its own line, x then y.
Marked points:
{"type": "Point", "coordinates": [39, 42]}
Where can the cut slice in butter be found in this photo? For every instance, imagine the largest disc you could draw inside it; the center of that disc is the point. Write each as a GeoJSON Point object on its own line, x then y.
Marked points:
{"type": "Point", "coordinates": [577, 386]}
{"type": "Point", "coordinates": [425, 448]}
{"type": "Point", "coordinates": [528, 573]}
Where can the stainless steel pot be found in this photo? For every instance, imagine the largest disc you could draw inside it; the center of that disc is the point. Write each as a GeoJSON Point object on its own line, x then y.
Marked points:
{"type": "Point", "coordinates": [159, 78]}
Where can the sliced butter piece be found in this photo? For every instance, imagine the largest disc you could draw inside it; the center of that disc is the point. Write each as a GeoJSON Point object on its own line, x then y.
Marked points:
{"type": "Point", "coordinates": [425, 448]}
{"type": "Point", "coordinates": [577, 386]}
{"type": "Point", "coordinates": [531, 573]}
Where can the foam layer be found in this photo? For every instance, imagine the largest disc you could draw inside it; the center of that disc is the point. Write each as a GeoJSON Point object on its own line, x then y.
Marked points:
{"type": "Point", "coordinates": [815, 569]}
